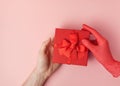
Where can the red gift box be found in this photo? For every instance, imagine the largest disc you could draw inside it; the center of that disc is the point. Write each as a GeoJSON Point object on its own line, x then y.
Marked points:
{"type": "Point", "coordinates": [68, 48]}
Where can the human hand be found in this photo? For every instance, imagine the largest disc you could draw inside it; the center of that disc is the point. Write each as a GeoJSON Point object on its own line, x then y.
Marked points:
{"type": "Point", "coordinates": [44, 67]}
{"type": "Point", "coordinates": [101, 50]}
{"type": "Point", "coordinates": [45, 64]}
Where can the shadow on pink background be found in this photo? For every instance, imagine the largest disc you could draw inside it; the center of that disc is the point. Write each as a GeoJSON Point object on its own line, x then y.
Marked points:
{"type": "Point", "coordinates": [25, 24]}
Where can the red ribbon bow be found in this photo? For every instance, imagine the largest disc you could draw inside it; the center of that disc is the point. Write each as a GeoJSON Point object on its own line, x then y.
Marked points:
{"type": "Point", "coordinates": [68, 45]}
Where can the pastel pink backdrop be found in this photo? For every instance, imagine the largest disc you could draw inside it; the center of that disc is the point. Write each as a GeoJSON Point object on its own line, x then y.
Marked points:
{"type": "Point", "coordinates": [25, 24]}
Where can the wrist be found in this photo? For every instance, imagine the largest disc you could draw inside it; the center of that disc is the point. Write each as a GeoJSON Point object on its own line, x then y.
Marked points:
{"type": "Point", "coordinates": [108, 61]}
{"type": "Point", "coordinates": [42, 77]}
{"type": "Point", "coordinates": [113, 67]}
{"type": "Point", "coordinates": [44, 73]}
{"type": "Point", "coordinates": [36, 78]}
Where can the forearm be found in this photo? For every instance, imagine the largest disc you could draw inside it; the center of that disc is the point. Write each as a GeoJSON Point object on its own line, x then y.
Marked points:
{"type": "Point", "coordinates": [113, 67]}
{"type": "Point", "coordinates": [36, 79]}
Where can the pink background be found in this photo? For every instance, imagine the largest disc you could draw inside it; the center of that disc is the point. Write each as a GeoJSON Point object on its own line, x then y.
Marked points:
{"type": "Point", "coordinates": [25, 24]}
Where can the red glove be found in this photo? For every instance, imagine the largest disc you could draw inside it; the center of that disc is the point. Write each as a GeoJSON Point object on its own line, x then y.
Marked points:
{"type": "Point", "coordinates": [102, 52]}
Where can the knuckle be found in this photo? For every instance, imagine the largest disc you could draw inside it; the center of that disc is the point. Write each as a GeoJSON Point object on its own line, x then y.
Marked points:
{"type": "Point", "coordinates": [93, 30]}
{"type": "Point", "coordinates": [104, 41]}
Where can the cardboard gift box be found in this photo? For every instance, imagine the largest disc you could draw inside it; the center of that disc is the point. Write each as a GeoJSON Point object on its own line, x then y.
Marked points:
{"type": "Point", "coordinates": [68, 48]}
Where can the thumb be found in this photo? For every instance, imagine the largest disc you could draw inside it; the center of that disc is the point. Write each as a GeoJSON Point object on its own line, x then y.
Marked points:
{"type": "Point", "coordinates": [88, 44]}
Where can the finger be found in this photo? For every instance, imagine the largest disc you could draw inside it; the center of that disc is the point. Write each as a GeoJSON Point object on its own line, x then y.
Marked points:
{"type": "Point", "coordinates": [51, 46]}
{"type": "Point", "coordinates": [45, 46]}
{"type": "Point", "coordinates": [97, 35]}
{"type": "Point", "coordinates": [52, 41]}
{"type": "Point", "coordinates": [88, 44]}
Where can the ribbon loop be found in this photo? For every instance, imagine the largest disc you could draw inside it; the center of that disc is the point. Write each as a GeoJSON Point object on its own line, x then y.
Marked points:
{"type": "Point", "coordinates": [68, 45]}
